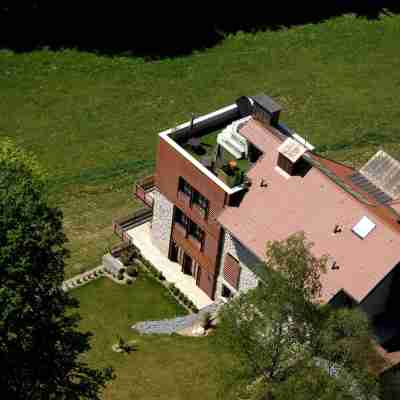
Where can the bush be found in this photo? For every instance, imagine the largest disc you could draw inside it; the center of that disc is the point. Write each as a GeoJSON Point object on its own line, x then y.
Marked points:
{"type": "Point", "coordinates": [129, 281]}
{"type": "Point", "coordinates": [120, 276]}
{"type": "Point", "coordinates": [206, 320]}
{"type": "Point", "coordinates": [171, 287]}
{"type": "Point", "coordinates": [132, 271]}
{"type": "Point", "coordinates": [129, 255]}
{"type": "Point", "coordinates": [160, 276]}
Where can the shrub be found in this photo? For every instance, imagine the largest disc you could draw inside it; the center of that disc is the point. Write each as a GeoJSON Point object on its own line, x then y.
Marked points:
{"type": "Point", "coordinates": [159, 275]}
{"type": "Point", "coordinates": [206, 320]}
{"type": "Point", "coordinates": [129, 254]}
{"type": "Point", "coordinates": [129, 281]}
{"type": "Point", "coordinates": [171, 287]}
{"type": "Point", "coordinates": [132, 271]}
{"type": "Point", "coordinates": [120, 276]}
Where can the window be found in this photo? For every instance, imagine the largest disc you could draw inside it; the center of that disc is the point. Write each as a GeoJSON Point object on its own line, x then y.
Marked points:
{"type": "Point", "coordinates": [200, 200]}
{"type": "Point", "coordinates": [181, 218]}
{"type": "Point", "coordinates": [184, 187]}
{"type": "Point", "coordinates": [196, 231]}
{"type": "Point", "coordinates": [193, 194]}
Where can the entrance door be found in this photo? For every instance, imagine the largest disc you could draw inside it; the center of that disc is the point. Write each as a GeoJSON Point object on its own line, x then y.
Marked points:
{"type": "Point", "coordinates": [173, 252]}
{"type": "Point", "coordinates": [198, 277]}
{"type": "Point", "coordinates": [187, 264]}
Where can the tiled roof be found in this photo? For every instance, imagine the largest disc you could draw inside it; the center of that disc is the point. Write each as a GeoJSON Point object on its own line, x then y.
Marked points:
{"type": "Point", "coordinates": [314, 204]}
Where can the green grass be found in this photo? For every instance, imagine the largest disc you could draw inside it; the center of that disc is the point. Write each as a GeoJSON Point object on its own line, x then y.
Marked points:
{"type": "Point", "coordinates": [164, 367]}
{"type": "Point", "coordinates": [93, 120]}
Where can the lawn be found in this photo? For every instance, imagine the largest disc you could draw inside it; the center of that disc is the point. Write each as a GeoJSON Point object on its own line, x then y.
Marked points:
{"type": "Point", "coordinates": [92, 120]}
{"type": "Point", "coordinates": [164, 367]}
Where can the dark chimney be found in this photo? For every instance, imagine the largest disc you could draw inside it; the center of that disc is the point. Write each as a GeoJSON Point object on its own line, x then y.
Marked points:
{"type": "Point", "coordinates": [266, 110]}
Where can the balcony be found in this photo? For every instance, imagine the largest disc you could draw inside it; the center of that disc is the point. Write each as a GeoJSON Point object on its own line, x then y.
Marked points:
{"type": "Point", "coordinates": [223, 158]}
{"type": "Point", "coordinates": [144, 190]}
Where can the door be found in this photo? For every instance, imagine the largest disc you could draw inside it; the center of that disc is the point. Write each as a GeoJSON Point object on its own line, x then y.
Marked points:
{"type": "Point", "coordinates": [187, 264]}
{"type": "Point", "coordinates": [198, 277]}
{"type": "Point", "coordinates": [173, 253]}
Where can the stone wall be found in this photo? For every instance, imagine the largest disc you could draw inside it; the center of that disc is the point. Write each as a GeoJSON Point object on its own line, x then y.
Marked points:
{"type": "Point", "coordinates": [162, 222]}
{"type": "Point", "coordinates": [247, 278]}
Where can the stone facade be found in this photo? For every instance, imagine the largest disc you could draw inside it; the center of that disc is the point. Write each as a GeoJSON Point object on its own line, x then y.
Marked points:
{"type": "Point", "coordinates": [247, 278]}
{"type": "Point", "coordinates": [162, 222]}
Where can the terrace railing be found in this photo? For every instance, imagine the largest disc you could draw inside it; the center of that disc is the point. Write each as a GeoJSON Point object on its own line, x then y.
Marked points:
{"type": "Point", "coordinates": [122, 225]}
{"type": "Point", "coordinates": [144, 190]}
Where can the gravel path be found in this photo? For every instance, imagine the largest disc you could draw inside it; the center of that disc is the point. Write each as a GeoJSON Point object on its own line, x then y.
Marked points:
{"type": "Point", "coordinates": [169, 326]}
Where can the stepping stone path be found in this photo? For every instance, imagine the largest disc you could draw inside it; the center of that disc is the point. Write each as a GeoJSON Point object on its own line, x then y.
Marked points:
{"type": "Point", "coordinates": [83, 279]}
{"type": "Point", "coordinates": [169, 326]}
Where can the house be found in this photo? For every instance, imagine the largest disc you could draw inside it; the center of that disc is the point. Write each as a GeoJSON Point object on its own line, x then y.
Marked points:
{"type": "Point", "coordinates": [229, 181]}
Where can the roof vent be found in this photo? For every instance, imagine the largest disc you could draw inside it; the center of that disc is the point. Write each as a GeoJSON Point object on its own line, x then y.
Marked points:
{"type": "Point", "coordinates": [290, 152]}
{"type": "Point", "coordinates": [363, 227]}
{"type": "Point", "coordinates": [266, 110]}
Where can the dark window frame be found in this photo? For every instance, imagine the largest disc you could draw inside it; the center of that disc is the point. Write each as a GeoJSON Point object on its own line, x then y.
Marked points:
{"type": "Point", "coordinates": [181, 218]}
{"type": "Point", "coordinates": [200, 200]}
{"type": "Point", "coordinates": [185, 187]}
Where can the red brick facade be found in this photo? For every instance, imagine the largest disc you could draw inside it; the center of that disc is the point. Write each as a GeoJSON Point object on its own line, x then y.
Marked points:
{"type": "Point", "coordinates": [170, 167]}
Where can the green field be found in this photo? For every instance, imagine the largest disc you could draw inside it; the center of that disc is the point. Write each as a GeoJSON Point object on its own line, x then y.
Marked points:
{"type": "Point", "coordinates": [163, 367]}
{"type": "Point", "coordinates": [93, 120]}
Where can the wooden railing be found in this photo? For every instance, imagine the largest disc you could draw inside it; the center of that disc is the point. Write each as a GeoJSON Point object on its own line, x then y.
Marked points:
{"type": "Point", "coordinates": [143, 189]}
{"type": "Point", "coordinates": [124, 224]}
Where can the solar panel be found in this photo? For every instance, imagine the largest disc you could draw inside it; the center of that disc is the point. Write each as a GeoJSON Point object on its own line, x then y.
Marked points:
{"type": "Point", "coordinates": [367, 186]}
{"type": "Point", "coordinates": [384, 172]}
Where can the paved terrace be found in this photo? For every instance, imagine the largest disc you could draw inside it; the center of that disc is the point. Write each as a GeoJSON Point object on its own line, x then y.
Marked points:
{"type": "Point", "coordinates": [141, 237]}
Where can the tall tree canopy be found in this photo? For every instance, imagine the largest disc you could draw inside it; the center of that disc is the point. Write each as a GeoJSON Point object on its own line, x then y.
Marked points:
{"type": "Point", "coordinates": [40, 345]}
{"type": "Point", "coordinates": [290, 345]}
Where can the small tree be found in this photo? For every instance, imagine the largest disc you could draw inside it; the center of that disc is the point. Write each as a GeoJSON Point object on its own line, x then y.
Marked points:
{"type": "Point", "coordinates": [40, 344]}
{"type": "Point", "coordinates": [285, 339]}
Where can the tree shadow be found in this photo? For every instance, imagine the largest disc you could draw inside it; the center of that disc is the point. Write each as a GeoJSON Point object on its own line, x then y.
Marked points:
{"type": "Point", "coordinates": [153, 34]}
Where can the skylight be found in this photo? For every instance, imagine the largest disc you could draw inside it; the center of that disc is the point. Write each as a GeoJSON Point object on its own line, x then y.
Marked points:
{"type": "Point", "coordinates": [363, 227]}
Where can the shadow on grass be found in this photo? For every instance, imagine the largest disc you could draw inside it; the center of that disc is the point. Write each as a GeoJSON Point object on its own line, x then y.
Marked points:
{"type": "Point", "coordinates": [156, 33]}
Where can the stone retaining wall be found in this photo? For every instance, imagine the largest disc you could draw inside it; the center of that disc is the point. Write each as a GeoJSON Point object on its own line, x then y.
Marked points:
{"type": "Point", "coordinates": [162, 222]}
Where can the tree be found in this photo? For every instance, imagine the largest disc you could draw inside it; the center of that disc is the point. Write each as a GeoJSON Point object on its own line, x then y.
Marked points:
{"type": "Point", "coordinates": [40, 345]}
{"type": "Point", "coordinates": [290, 346]}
